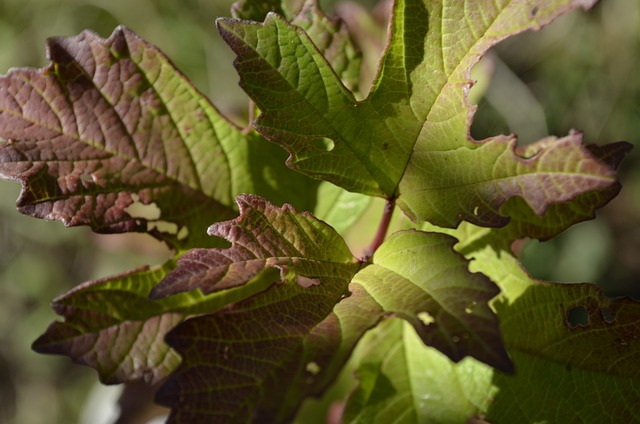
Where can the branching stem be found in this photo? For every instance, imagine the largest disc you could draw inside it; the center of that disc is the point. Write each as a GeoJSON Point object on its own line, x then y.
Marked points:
{"type": "Point", "coordinates": [382, 229]}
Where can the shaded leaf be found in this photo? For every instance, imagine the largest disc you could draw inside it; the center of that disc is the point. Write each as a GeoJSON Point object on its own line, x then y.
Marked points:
{"type": "Point", "coordinates": [403, 381]}
{"type": "Point", "coordinates": [417, 276]}
{"type": "Point", "coordinates": [112, 136]}
{"type": "Point", "coordinates": [587, 373]}
{"type": "Point", "coordinates": [258, 358]}
{"type": "Point", "coordinates": [409, 138]}
{"type": "Point", "coordinates": [565, 371]}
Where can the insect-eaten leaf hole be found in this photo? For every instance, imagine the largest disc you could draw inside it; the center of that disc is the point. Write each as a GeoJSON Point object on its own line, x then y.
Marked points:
{"type": "Point", "coordinates": [468, 309]}
{"type": "Point", "coordinates": [313, 368]}
{"type": "Point", "coordinates": [137, 209]}
{"type": "Point", "coordinates": [151, 213]}
{"type": "Point", "coordinates": [324, 143]}
{"type": "Point", "coordinates": [426, 318]}
{"type": "Point", "coordinates": [577, 316]}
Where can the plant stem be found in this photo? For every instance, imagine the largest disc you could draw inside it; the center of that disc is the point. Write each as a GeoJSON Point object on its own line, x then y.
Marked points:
{"type": "Point", "coordinates": [252, 110]}
{"type": "Point", "coordinates": [382, 229]}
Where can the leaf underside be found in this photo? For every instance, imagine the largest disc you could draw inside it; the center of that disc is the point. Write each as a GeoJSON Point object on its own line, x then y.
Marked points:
{"type": "Point", "coordinates": [409, 138]}
{"type": "Point", "coordinates": [111, 135]}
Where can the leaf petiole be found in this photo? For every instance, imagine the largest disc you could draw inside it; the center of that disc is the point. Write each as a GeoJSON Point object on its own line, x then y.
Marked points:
{"type": "Point", "coordinates": [387, 214]}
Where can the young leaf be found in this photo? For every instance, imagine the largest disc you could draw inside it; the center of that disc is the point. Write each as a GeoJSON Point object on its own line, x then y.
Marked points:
{"type": "Point", "coordinates": [409, 138]}
{"type": "Point", "coordinates": [418, 277]}
{"type": "Point", "coordinates": [111, 135]}
{"type": "Point", "coordinates": [242, 362]}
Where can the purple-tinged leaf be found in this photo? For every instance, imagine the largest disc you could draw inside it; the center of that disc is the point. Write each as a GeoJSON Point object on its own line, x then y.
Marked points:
{"type": "Point", "coordinates": [112, 326]}
{"type": "Point", "coordinates": [558, 216]}
{"type": "Point", "coordinates": [112, 136]}
{"type": "Point", "coordinates": [242, 362]}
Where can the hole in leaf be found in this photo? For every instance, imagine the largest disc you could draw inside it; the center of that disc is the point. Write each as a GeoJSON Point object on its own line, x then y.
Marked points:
{"type": "Point", "coordinates": [426, 318]}
{"type": "Point", "coordinates": [138, 209]}
{"type": "Point", "coordinates": [313, 368]}
{"type": "Point", "coordinates": [607, 316]}
{"type": "Point", "coordinates": [324, 143]}
{"type": "Point", "coordinates": [307, 282]}
{"type": "Point", "coordinates": [163, 227]}
{"type": "Point", "coordinates": [469, 309]}
{"type": "Point", "coordinates": [183, 233]}
{"type": "Point", "coordinates": [578, 316]}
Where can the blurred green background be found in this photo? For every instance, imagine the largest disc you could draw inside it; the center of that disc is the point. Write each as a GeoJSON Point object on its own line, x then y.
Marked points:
{"type": "Point", "coordinates": [581, 72]}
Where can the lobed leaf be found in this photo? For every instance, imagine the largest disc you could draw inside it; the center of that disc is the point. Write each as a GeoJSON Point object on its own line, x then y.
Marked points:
{"type": "Point", "coordinates": [566, 371]}
{"type": "Point", "coordinates": [111, 325]}
{"type": "Point", "coordinates": [401, 380]}
{"type": "Point", "coordinates": [594, 364]}
{"type": "Point", "coordinates": [329, 34]}
{"type": "Point", "coordinates": [258, 358]}
{"type": "Point", "coordinates": [417, 276]}
{"type": "Point", "coordinates": [113, 136]}
{"type": "Point", "coordinates": [410, 138]}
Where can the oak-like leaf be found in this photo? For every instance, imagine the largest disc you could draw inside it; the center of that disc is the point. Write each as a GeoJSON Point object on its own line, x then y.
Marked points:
{"type": "Point", "coordinates": [329, 34]}
{"type": "Point", "coordinates": [402, 380]}
{"type": "Point", "coordinates": [113, 136]}
{"type": "Point", "coordinates": [243, 362]}
{"type": "Point", "coordinates": [568, 369]}
{"type": "Point", "coordinates": [111, 325]}
{"type": "Point", "coordinates": [418, 277]}
{"type": "Point", "coordinates": [410, 138]}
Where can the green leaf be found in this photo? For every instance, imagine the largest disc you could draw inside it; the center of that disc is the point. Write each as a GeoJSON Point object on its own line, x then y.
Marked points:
{"type": "Point", "coordinates": [256, 10]}
{"type": "Point", "coordinates": [417, 276]}
{"type": "Point", "coordinates": [565, 371]}
{"type": "Point", "coordinates": [574, 372]}
{"type": "Point", "coordinates": [340, 208]}
{"type": "Point", "coordinates": [112, 136]}
{"type": "Point", "coordinates": [329, 34]}
{"type": "Point", "coordinates": [409, 138]}
{"type": "Point", "coordinates": [258, 358]}
{"type": "Point", "coordinates": [403, 381]}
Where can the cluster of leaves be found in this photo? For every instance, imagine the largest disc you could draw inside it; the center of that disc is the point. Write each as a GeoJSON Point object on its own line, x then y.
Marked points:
{"type": "Point", "coordinates": [268, 309]}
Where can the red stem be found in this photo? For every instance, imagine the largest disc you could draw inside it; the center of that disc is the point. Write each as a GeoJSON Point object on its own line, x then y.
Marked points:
{"type": "Point", "coordinates": [382, 229]}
